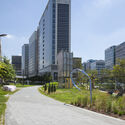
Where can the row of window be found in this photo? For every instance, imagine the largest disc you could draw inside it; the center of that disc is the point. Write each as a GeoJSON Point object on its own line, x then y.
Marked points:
{"type": "Point", "coordinates": [53, 31]}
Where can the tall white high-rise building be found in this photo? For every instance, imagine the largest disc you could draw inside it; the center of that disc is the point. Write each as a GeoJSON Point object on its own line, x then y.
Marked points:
{"type": "Point", "coordinates": [54, 34]}
{"type": "Point", "coordinates": [33, 54]}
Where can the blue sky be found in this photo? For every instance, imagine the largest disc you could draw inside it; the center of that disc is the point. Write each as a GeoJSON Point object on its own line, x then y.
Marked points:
{"type": "Point", "coordinates": [96, 25]}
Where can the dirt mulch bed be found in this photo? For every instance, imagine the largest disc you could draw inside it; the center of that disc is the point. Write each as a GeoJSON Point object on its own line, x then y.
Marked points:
{"type": "Point", "coordinates": [102, 112]}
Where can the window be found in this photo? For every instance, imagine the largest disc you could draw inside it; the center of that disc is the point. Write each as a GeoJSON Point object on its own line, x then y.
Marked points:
{"type": "Point", "coordinates": [63, 27]}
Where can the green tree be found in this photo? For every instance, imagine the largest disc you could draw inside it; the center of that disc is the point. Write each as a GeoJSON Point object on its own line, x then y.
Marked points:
{"type": "Point", "coordinates": [93, 74]}
{"type": "Point", "coordinates": [106, 76]}
{"type": "Point", "coordinates": [7, 71]}
{"type": "Point", "coordinates": [119, 71]}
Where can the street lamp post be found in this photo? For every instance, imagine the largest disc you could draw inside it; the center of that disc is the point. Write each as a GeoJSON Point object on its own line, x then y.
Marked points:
{"type": "Point", "coordinates": [1, 35]}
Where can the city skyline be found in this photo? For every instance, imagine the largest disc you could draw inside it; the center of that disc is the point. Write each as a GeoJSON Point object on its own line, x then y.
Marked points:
{"type": "Point", "coordinates": [101, 26]}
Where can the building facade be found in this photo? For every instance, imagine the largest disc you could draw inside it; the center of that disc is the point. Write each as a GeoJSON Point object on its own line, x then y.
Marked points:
{"type": "Point", "coordinates": [54, 33]}
{"type": "Point", "coordinates": [25, 60]}
{"type": "Point", "coordinates": [120, 51]}
{"type": "Point", "coordinates": [16, 62]}
{"type": "Point", "coordinates": [65, 65]}
{"type": "Point", "coordinates": [87, 65]}
{"type": "Point", "coordinates": [33, 54]}
{"type": "Point", "coordinates": [98, 65]}
{"type": "Point", "coordinates": [110, 57]}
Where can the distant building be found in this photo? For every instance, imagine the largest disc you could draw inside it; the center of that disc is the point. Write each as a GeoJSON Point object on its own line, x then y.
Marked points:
{"type": "Point", "coordinates": [16, 62]}
{"type": "Point", "coordinates": [120, 51]}
{"type": "Point", "coordinates": [54, 34]}
{"type": "Point", "coordinates": [65, 65]}
{"type": "Point", "coordinates": [110, 57]}
{"type": "Point", "coordinates": [25, 59]}
{"type": "Point", "coordinates": [84, 66]}
{"type": "Point", "coordinates": [98, 65]}
{"type": "Point", "coordinates": [87, 65]}
{"type": "Point", "coordinates": [77, 62]}
{"type": "Point", "coordinates": [33, 55]}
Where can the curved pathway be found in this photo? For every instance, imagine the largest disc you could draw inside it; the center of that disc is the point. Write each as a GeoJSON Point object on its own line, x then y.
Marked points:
{"type": "Point", "coordinates": [29, 107]}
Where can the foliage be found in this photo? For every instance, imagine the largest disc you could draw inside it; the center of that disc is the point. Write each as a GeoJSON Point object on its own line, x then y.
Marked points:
{"type": "Point", "coordinates": [7, 72]}
{"type": "Point", "coordinates": [49, 89]}
{"type": "Point", "coordinates": [93, 74]}
{"type": "Point", "coordinates": [45, 88]}
{"type": "Point", "coordinates": [119, 71]}
{"type": "Point", "coordinates": [54, 83]}
{"type": "Point", "coordinates": [54, 88]}
{"type": "Point", "coordinates": [106, 76]}
{"type": "Point", "coordinates": [78, 75]}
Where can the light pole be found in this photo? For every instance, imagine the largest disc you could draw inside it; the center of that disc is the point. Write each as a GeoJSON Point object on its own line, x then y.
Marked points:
{"type": "Point", "coordinates": [1, 35]}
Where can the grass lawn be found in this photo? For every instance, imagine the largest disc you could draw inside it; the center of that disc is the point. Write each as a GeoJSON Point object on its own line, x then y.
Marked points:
{"type": "Point", "coordinates": [3, 100]}
{"type": "Point", "coordinates": [20, 85]}
{"type": "Point", "coordinates": [102, 102]}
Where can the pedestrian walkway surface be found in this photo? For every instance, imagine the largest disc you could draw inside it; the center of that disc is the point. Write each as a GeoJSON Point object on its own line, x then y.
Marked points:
{"type": "Point", "coordinates": [29, 107]}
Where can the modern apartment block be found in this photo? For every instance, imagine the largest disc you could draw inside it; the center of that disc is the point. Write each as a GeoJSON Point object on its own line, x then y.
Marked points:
{"type": "Point", "coordinates": [65, 65]}
{"type": "Point", "coordinates": [16, 62]}
{"type": "Point", "coordinates": [98, 65]}
{"type": "Point", "coordinates": [110, 57]}
{"type": "Point", "coordinates": [120, 51]}
{"type": "Point", "coordinates": [25, 60]}
{"type": "Point", "coordinates": [54, 33]}
{"type": "Point", "coordinates": [33, 54]}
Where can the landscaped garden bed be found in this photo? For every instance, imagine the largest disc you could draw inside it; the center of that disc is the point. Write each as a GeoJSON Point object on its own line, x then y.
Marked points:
{"type": "Point", "coordinates": [101, 102]}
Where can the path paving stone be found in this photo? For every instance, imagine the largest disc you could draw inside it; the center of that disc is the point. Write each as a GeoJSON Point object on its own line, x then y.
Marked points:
{"type": "Point", "coordinates": [29, 107]}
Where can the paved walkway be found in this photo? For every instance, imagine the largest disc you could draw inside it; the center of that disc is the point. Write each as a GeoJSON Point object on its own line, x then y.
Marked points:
{"type": "Point", "coordinates": [29, 107]}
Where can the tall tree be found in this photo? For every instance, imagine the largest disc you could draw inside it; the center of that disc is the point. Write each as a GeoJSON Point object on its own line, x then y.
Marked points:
{"type": "Point", "coordinates": [93, 74]}
{"type": "Point", "coordinates": [119, 71]}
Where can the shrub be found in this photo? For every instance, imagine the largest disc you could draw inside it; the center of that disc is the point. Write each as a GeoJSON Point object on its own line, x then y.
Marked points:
{"type": "Point", "coordinates": [79, 100]}
{"type": "Point", "coordinates": [49, 89]}
{"type": "Point", "coordinates": [84, 101]}
{"type": "Point", "coordinates": [45, 87]}
{"type": "Point", "coordinates": [109, 106]}
{"type": "Point", "coordinates": [114, 107]}
{"type": "Point", "coordinates": [54, 88]}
